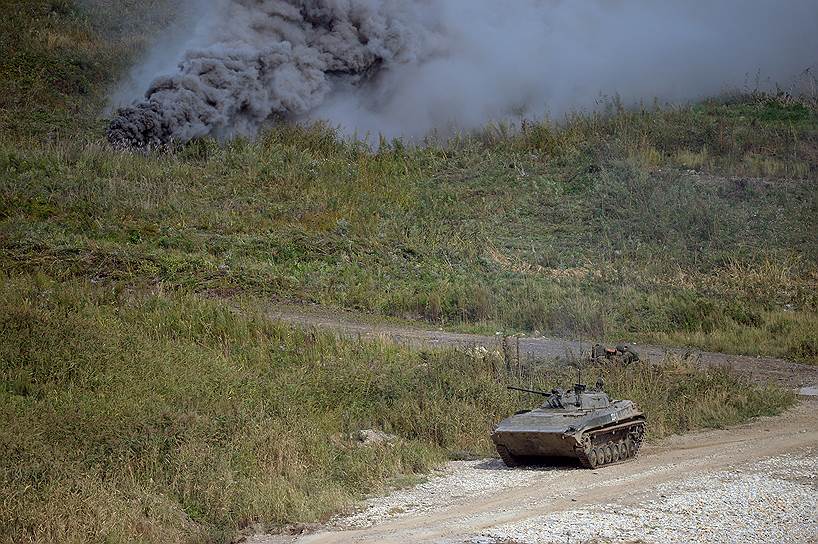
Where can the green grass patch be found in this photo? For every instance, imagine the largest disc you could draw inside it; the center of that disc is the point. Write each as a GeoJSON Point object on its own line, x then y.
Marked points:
{"type": "Point", "coordinates": [692, 225]}
{"type": "Point", "coordinates": [156, 418]}
{"type": "Point", "coordinates": [173, 419]}
{"type": "Point", "coordinates": [465, 237]}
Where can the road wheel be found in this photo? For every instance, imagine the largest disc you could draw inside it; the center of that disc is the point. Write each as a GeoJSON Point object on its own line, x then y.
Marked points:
{"type": "Point", "coordinates": [628, 445]}
{"type": "Point", "coordinates": [599, 453]}
{"type": "Point", "coordinates": [608, 454]}
{"type": "Point", "coordinates": [636, 436]}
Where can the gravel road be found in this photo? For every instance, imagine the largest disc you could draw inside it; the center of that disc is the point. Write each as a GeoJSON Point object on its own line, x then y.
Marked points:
{"type": "Point", "coordinates": [752, 483]}
{"type": "Point", "coordinates": [768, 369]}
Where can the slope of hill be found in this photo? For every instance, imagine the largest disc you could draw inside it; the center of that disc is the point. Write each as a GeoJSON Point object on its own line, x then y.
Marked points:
{"type": "Point", "coordinates": [133, 409]}
{"type": "Point", "coordinates": [684, 225]}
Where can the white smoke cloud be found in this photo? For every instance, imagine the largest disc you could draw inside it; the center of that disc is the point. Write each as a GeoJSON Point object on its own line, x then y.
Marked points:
{"type": "Point", "coordinates": [402, 68]}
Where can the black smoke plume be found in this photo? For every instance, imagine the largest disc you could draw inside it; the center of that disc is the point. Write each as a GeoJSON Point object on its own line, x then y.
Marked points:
{"type": "Point", "coordinates": [407, 67]}
{"type": "Point", "coordinates": [269, 58]}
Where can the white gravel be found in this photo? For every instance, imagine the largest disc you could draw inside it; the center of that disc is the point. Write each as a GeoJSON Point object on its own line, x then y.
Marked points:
{"type": "Point", "coordinates": [774, 501]}
{"type": "Point", "coordinates": [459, 480]}
{"type": "Point", "coordinates": [771, 501]}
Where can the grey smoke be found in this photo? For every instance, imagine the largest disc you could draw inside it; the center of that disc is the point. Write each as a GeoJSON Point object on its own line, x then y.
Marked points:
{"type": "Point", "coordinates": [404, 68]}
{"type": "Point", "coordinates": [265, 58]}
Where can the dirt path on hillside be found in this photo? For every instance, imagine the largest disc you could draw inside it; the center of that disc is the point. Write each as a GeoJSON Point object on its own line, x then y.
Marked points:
{"type": "Point", "coordinates": [752, 483]}
{"type": "Point", "coordinates": [765, 369]}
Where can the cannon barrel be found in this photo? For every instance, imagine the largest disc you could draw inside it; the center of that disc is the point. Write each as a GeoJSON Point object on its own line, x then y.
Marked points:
{"type": "Point", "coordinates": [532, 391]}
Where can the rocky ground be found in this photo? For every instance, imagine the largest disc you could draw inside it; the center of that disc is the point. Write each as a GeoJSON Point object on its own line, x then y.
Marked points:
{"type": "Point", "coordinates": [773, 501]}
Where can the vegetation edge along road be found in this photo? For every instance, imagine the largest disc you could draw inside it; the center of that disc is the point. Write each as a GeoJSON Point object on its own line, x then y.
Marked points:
{"type": "Point", "coordinates": [786, 373]}
{"type": "Point", "coordinates": [166, 417]}
{"type": "Point", "coordinates": [133, 410]}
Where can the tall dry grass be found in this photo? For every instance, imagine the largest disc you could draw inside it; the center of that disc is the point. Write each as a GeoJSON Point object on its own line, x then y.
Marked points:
{"type": "Point", "coordinates": [173, 419]}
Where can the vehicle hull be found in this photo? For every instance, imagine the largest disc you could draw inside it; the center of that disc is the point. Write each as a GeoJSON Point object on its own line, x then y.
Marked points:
{"type": "Point", "coordinates": [589, 436]}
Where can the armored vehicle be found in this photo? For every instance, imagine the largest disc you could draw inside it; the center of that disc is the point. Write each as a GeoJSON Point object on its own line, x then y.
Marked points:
{"type": "Point", "coordinates": [577, 424]}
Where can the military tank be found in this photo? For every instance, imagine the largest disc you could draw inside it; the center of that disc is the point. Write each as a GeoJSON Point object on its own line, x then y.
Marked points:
{"type": "Point", "coordinates": [580, 424]}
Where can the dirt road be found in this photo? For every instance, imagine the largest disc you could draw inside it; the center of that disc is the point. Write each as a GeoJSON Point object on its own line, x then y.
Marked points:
{"type": "Point", "coordinates": [752, 483]}
{"type": "Point", "coordinates": [786, 373]}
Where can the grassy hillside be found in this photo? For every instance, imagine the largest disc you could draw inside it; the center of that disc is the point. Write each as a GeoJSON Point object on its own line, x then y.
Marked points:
{"type": "Point", "coordinates": [689, 225]}
{"type": "Point", "coordinates": [137, 405]}
{"type": "Point", "coordinates": [166, 418]}
{"type": "Point", "coordinates": [58, 59]}
{"type": "Point", "coordinates": [584, 240]}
